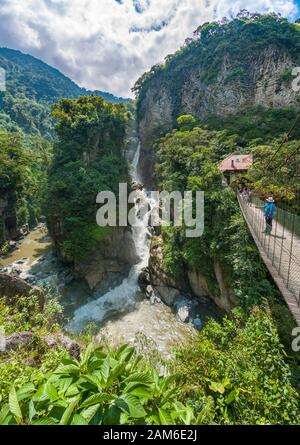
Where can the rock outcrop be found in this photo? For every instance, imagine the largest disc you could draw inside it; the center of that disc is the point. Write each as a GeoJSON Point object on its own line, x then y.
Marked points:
{"type": "Point", "coordinates": [255, 80]}
{"type": "Point", "coordinates": [28, 340]}
{"type": "Point", "coordinates": [13, 288]}
{"type": "Point", "coordinates": [223, 296]}
{"type": "Point", "coordinates": [112, 260]}
{"type": "Point", "coordinates": [192, 283]}
{"type": "Point", "coordinates": [60, 340]}
{"type": "Point", "coordinates": [164, 285]}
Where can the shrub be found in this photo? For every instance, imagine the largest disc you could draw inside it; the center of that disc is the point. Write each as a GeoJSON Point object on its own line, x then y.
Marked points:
{"type": "Point", "coordinates": [101, 389]}
{"type": "Point", "coordinates": [235, 373]}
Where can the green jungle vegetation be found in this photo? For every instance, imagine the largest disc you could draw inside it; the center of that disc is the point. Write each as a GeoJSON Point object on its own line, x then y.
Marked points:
{"type": "Point", "coordinates": [27, 131]}
{"type": "Point", "coordinates": [88, 158]}
{"type": "Point", "coordinates": [240, 370]}
{"type": "Point", "coordinates": [240, 41]}
{"type": "Point", "coordinates": [24, 161]}
{"type": "Point", "coordinates": [234, 372]}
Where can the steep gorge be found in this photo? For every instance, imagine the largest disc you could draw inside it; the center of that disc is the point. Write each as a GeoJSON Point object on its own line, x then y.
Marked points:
{"type": "Point", "coordinates": [229, 73]}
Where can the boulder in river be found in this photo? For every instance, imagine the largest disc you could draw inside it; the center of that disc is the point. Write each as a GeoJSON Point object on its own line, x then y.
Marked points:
{"type": "Point", "coordinates": [13, 245]}
{"type": "Point", "coordinates": [22, 261]}
{"type": "Point", "coordinates": [183, 311]}
{"type": "Point", "coordinates": [149, 291]}
{"type": "Point", "coordinates": [144, 279]}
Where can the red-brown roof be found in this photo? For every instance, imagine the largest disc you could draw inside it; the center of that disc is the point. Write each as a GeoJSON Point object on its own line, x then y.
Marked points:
{"type": "Point", "coordinates": [236, 163]}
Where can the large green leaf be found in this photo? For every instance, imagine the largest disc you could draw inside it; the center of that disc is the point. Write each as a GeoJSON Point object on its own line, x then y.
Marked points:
{"type": "Point", "coordinates": [115, 372]}
{"type": "Point", "coordinates": [72, 391]}
{"type": "Point", "coordinates": [78, 420]}
{"type": "Point", "coordinates": [93, 380]}
{"type": "Point", "coordinates": [105, 368]}
{"type": "Point", "coordinates": [217, 387]}
{"type": "Point", "coordinates": [31, 410]}
{"type": "Point", "coordinates": [126, 354]}
{"type": "Point", "coordinates": [41, 395]}
{"type": "Point", "coordinates": [140, 378]}
{"type": "Point", "coordinates": [90, 412]}
{"type": "Point", "coordinates": [164, 417]}
{"type": "Point", "coordinates": [25, 391]}
{"type": "Point", "coordinates": [51, 391]}
{"type": "Point", "coordinates": [87, 355]}
{"type": "Point", "coordinates": [4, 413]}
{"type": "Point", "coordinates": [184, 413]}
{"type": "Point", "coordinates": [143, 392]}
{"type": "Point", "coordinates": [131, 405]}
{"type": "Point", "coordinates": [69, 411]}
{"type": "Point", "coordinates": [122, 349]}
{"type": "Point", "coordinates": [67, 369]}
{"type": "Point", "coordinates": [14, 404]}
{"type": "Point", "coordinates": [64, 384]}
{"type": "Point", "coordinates": [95, 364]}
{"type": "Point", "coordinates": [94, 399]}
{"type": "Point", "coordinates": [112, 416]}
{"type": "Point", "coordinates": [45, 421]}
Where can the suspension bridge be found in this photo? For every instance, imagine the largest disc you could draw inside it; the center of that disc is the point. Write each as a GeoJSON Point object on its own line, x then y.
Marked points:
{"type": "Point", "coordinates": [280, 251]}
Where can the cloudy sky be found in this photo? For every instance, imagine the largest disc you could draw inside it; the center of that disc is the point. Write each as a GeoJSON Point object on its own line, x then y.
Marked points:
{"type": "Point", "coordinates": [108, 44]}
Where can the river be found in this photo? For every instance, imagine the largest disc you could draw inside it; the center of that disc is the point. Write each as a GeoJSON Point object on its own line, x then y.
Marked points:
{"type": "Point", "coordinates": [123, 314]}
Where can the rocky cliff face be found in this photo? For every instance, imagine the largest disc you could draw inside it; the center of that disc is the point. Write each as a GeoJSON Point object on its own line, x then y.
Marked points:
{"type": "Point", "coordinates": [8, 218]}
{"type": "Point", "coordinates": [193, 282]}
{"type": "Point", "coordinates": [225, 70]}
{"type": "Point", "coordinates": [106, 265]}
{"type": "Point", "coordinates": [257, 79]}
{"type": "Point", "coordinates": [111, 262]}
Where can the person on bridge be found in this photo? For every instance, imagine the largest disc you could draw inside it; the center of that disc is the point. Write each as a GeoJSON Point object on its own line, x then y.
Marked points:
{"type": "Point", "coordinates": [269, 214]}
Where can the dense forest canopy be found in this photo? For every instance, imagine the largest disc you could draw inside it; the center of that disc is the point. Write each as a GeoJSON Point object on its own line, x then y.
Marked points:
{"type": "Point", "coordinates": [212, 41]}
{"type": "Point", "coordinates": [228, 47]}
{"type": "Point", "coordinates": [240, 370]}
{"type": "Point", "coordinates": [88, 158]}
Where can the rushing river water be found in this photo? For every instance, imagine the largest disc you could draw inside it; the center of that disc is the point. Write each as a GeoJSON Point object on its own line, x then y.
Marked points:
{"type": "Point", "coordinates": [122, 313]}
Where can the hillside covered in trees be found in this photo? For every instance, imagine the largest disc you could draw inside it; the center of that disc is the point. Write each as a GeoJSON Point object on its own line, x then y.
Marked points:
{"type": "Point", "coordinates": [227, 90]}
{"type": "Point", "coordinates": [27, 134]}
{"type": "Point", "coordinates": [31, 87]}
{"type": "Point", "coordinates": [233, 75]}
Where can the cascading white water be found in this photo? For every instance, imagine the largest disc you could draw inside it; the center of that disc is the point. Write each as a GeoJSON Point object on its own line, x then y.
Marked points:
{"type": "Point", "coordinates": [135, 163]}
{"type": "Point", "coordinates": [124, 297]}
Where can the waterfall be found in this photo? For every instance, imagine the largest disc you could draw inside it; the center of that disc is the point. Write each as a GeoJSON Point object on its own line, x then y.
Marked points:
{"type": "Point", "coordinates": [122, 298]}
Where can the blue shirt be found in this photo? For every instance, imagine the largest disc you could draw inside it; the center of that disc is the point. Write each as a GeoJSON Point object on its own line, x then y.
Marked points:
{"type": "Point", "coordinates": [269, 210]}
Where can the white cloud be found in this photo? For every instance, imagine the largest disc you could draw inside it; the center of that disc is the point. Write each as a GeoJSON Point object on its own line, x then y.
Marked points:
{"type": "Point", "coordinates": [108, 44]}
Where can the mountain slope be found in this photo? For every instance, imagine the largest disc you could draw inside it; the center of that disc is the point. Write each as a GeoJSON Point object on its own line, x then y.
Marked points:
{"type": "Point", "coordinates": [224, 73]}
{"type": "Point", "coordinates": [31, 87]}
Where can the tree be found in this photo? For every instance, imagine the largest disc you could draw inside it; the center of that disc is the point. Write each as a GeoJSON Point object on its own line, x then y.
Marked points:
{"type": "Point", "coordinates": [187, 122]}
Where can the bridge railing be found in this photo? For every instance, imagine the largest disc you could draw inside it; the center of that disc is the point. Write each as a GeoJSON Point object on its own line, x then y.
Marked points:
{"type": "Point", "coordinates": [284, 217]}
{"type": "Point", "coordinates": [282, 247]}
